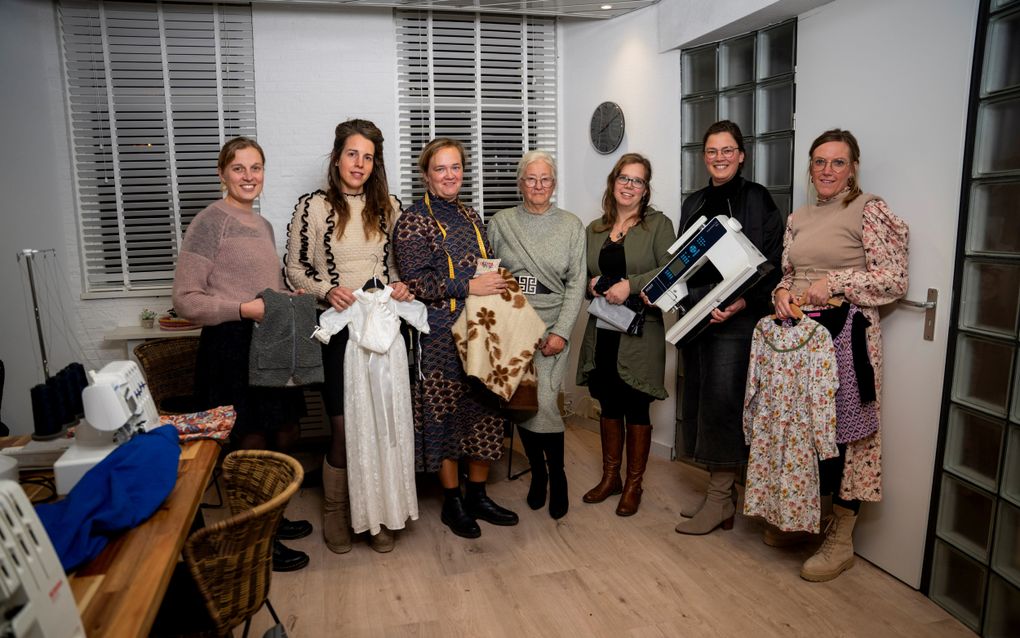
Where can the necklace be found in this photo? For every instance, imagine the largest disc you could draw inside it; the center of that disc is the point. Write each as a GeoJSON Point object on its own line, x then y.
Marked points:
{"type": "Point", "coordinates": [625, 225]}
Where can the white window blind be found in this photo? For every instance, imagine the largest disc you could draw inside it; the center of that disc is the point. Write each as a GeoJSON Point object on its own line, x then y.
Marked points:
{"type": "Point", "coordinates": [153, 91]}
{"type": "Point", "coordinates": [486, 80]}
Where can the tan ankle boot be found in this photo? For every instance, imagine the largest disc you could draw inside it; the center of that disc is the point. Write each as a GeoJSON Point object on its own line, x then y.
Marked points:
{"type": "Point", "coordinates": [692, 511]}
{"type": "Point", "coordinates": [612, 458]}
{"type": "Point", "coordinates": [836, 554]}
{"type": "Point", "coordinates": [718, 509]}
{"type": "Point", "coordinates": [383, 541]}
{"type": "Point", "coordinates": [336, 509]}
{"type": "Point", "coordinates": [639, 442]}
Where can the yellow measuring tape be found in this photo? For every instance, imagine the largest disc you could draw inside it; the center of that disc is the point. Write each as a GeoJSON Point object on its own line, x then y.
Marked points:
{"type": "Point", "coordinates": [442, 230]}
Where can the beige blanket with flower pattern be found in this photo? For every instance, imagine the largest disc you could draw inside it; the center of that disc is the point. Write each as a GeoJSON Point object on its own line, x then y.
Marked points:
{"type": "Point", "coordinates": [496, 337]}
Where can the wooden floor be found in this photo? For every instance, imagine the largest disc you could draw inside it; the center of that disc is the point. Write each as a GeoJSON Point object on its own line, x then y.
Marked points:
{"type": "Point", "coordinates": [591, 573]}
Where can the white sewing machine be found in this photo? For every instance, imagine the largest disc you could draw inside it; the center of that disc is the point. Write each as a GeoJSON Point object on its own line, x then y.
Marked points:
{"type": "Point", "coordinates": [713, 252]}
{"type": "Point", "coordinates": [35, 598]}
{"type": "Point", "coordinates": [117, 407]}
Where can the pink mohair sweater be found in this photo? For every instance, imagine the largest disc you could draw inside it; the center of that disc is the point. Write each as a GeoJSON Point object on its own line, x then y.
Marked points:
{"type": "Point", "coordinates": [228, 256]}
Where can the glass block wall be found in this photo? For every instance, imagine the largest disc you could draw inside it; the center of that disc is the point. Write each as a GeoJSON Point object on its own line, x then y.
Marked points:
{"type": "Point", "coordinates": [748, 79]}
{"type": "Point", "coordinates": [973, 558]}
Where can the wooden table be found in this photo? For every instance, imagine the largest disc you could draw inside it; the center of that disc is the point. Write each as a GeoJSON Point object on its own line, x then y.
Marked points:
{"type": "Point", "coordinates": [119, 592]}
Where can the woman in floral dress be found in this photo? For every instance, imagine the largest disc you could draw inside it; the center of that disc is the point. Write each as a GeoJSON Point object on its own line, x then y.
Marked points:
{"type": "Point", "coordinates": [849, 244]}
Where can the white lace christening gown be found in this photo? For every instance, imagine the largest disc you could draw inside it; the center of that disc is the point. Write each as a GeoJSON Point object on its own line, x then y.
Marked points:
{"type": "Point", "coordinates": [377, 407]}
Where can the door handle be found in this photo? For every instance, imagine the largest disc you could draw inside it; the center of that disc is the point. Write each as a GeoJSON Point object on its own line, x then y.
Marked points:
{"type": "Point", "coordinates": [929, 308]}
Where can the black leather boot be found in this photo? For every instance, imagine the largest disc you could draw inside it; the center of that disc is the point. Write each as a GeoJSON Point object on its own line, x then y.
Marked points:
{"type": "Point", "coordinates": [286, 559]}
{"type": "Point", "coordinates": [558, 500]}
{"type": "Point", "coordinates": [532, 443]}
{"type": "Point", "coordinates": [293, 530]}
{"type": "Point", "coordinates": [455, 516]}
{"type": "Point", "coordinates": [480, 506]}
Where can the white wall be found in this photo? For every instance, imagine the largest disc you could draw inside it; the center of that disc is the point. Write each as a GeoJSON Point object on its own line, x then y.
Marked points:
{"type": "Point", "coordinates": [688, 23]}
{"type": "Point", "coordinates": [618, 60]}
{"type": "Point", "coordinates": [897, 75]}
{"type": "Point", "coordinates": [315, 67]}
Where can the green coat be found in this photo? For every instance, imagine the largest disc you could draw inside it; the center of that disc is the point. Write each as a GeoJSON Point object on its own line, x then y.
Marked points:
{"type": "Point", "coordinates": [642, 360]}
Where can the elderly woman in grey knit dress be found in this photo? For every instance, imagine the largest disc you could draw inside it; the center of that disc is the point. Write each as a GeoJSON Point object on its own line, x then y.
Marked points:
{"type": "Point", "coordinates": [543, 247]}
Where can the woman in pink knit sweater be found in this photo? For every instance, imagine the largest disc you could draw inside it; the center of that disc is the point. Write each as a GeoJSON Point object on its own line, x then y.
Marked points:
{"type": "Point", "coordinates": [227, 257]}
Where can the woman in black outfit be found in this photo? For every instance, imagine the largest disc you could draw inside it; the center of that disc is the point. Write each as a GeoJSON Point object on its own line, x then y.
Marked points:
{"type": "Point", "coordinates": [715, 362]}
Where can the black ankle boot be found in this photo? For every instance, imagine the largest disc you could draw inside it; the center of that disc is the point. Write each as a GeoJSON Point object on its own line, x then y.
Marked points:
{"type": "Point", "coordinates": [480, 506]}
{"type": "Point", "coordinates": [286, 559]}
{"type": "Point", "coordinates": [456, 517]}
{"type": "Point", "coordinates": [293, 530]}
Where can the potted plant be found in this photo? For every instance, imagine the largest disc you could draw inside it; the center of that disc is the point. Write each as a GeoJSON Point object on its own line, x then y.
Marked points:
{"type": "Point", "coordinates": [147, 317]}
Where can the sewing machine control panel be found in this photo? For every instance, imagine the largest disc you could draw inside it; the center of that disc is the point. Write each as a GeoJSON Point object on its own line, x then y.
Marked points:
{"type": "Point", "coordinates": [686, 258]}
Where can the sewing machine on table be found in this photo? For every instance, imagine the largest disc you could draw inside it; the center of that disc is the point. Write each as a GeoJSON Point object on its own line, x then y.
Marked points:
{"type": "Point", "coordinates": [713, 264]}
{"type": "Point", "coordinates": [117, 407]}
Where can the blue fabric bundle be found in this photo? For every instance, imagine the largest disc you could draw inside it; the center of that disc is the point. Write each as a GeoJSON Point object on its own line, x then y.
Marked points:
{"type": "Point", "coordinates": [120, 492]}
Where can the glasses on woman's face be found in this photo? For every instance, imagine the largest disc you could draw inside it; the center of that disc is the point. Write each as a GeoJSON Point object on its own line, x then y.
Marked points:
{"type": "Point", "coordinates": [727, 152]}
{"type": "Point", "coordinates": [635, 182]}
{"type": "Point", "coordinates": [535, 182]}
{"type": "Point", "coordinates": [838, 165]}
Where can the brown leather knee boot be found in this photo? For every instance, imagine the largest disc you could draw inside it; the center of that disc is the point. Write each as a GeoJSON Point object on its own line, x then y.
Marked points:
{"type": "Point", "coordinates": [612, 458]}
{"type": "Point", "coordinates": [639, 442]}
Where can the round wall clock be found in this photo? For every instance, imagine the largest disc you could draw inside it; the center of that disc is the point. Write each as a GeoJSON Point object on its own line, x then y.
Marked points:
{"type": "Point", "coordinates": [607, 127]}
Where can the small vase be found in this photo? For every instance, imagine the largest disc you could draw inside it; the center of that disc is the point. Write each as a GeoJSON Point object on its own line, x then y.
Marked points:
{"type": "Point", "coordinates": [148, 323]}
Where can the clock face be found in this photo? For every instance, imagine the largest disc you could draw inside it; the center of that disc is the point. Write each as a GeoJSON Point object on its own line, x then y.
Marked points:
{"type": "Point", "coordinates": [607, 127]}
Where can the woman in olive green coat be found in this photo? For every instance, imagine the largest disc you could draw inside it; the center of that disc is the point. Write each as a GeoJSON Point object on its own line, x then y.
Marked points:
{"type": "Point", "coordinates": [626, 247]}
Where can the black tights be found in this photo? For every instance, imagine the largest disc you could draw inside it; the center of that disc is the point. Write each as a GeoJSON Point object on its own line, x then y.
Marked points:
{"type": "Point", "coordinates": [830, 475]}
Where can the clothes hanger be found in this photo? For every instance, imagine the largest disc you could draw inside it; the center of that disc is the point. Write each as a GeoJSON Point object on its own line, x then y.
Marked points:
{"type": "Point", "coordinates": [795, 311]}
{"type": "Point", "coordinates": [374, 283]}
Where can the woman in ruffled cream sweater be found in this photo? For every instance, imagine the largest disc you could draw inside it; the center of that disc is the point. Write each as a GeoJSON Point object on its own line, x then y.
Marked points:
{"type": "Point", "coordinates": [336, 241]}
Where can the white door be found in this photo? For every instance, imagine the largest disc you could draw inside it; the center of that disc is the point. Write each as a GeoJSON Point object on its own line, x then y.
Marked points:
{"type": "Point", "coordinates": [903, 91]}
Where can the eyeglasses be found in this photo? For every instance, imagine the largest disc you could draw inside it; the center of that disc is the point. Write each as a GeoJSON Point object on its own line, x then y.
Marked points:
{"type": "Point", "coordinates": [545, 182]}
{"type": "Point", "coordinates": [635, 182]}
{"type": "Point", "coordinates": [839, 164]}
{"type": "Point", "coordinates": [727, 152]}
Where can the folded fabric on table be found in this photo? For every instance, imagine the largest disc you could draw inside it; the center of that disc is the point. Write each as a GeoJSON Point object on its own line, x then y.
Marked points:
{"type": "Point", "coordinates": [213, 424]}
{"type": "Point", "coordinates": [120, 492]}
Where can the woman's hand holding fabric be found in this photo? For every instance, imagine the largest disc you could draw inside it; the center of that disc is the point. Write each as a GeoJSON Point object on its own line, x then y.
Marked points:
{"type": "Point", "coordinates": [254, 309]}
{"type": "Point", "coordinates": [816, 294]}
{"type": "Point", "coordinates": [618, 292]}
{"type": "Point", "coordinates": [783, 299]}
{"type": "Point", "coordinates": [400, 292]}
{"type": "Point", "coordinates": [491, 283]}
{"type": "Point", "coordinates": [340, 297]}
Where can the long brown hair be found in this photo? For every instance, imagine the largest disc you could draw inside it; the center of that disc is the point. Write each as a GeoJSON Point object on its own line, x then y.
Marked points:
{"type": "Point", "coordinates": [377, 213]}
{"type": "Point", "coordinates": [609, 212]}
{"type": "Point", "coordinates": [840, 135]}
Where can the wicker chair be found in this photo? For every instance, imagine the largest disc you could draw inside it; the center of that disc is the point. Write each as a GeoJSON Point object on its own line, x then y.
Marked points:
{"type": "Point", "coordinates": [169, 369]}
{"type": "Point", "coordinates": [231, 561]}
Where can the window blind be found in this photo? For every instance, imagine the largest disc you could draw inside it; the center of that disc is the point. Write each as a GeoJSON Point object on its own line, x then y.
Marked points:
{"type": "Point", "coordinates": [153, 90]}
{"type": "Point", "coordinates": [488, 81]}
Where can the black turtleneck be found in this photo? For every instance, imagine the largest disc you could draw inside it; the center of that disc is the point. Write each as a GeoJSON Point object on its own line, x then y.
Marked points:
{"type": "Point", "coordinates": [721, 200]}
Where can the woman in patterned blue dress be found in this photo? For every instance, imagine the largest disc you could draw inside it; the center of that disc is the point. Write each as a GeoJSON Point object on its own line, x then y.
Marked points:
{"type": "Point", "coordinates": [437, 242]}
